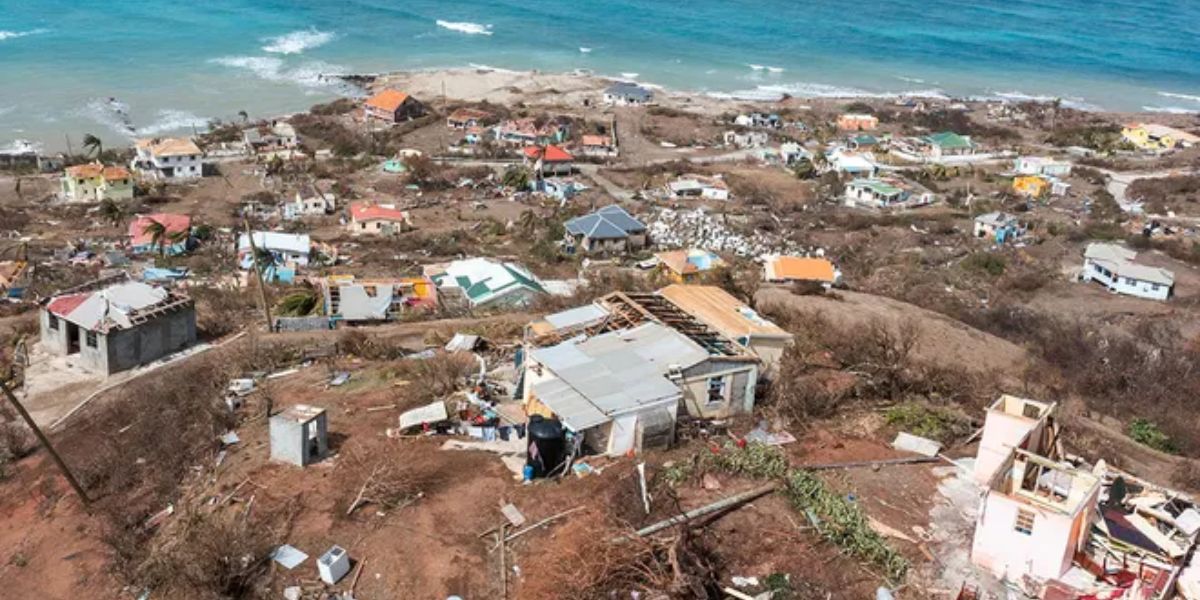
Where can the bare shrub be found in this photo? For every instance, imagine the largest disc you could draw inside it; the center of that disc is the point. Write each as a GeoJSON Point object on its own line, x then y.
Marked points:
{"type": "Point", "coordinates": [581, 563]}
{"type": "Point", "coordinates": [434, 377]}
{"type": "Point", "coordinates": [390, 478]}
{"type": "Point", "coordinates": [209, 555]}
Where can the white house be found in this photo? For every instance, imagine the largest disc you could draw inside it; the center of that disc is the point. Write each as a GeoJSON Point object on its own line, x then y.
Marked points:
{"type": "Point", "coordinates": [624, 93]}
{"type": "Point", "coordinates": [698, 186]}
{"type": "Point", "coordinates": [1041, 165]}
{"type": "Point", "coordinates": [886, 193]}
{"type": "Point", "coordinates": [790, 153]}
{"type": "Point", "coordinates": [168, 159]}
{"type": "Point", "coordinates": [486, 283]}
{"type": "Point", "coordinates": [851, 163]}
{"type": "Point", "coordinates": [311, 200]}
{"type": "Point", "coordinates": [1113, 266]}
{"type": "Point", "coordinates": [286, 248]}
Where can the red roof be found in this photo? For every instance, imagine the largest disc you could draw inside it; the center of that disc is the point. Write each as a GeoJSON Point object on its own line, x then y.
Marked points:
{"type": "Point", "coordinates": [172, 222]}
{"type": "Point", "coordinates": [64, 305]}
{"type": "Point", "coordinates": [550, 154]}
{"type": "Point", "coordinates": [369, 211]}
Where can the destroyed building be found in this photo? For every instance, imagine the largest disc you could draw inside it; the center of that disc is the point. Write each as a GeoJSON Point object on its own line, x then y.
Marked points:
{"type": "Point", "coordinates": [1056, 527]}
{"type": "Point", "coordinates": [115, 324]}
{"type": "Point", "coordinates": [618, 370]}
{"type": "Point", "coordinates": [355, 300]}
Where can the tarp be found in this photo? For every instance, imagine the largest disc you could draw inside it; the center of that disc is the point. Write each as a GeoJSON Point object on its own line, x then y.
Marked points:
{"type": "Point", "coordinates": [434, 412]}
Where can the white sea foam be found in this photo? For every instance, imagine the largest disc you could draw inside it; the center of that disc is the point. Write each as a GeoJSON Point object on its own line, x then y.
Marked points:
{"type": "Point", "coordinates": [630, 75]}
{"type": "Point", "coordinates": [910, 79]}
{"type": "Point", "coordinates": [1075, 102]}
{"type": "Point", "coordinates": [756, 67]}
{"type": "Point", "coordinates": [489, 68]}
{"type": "Point", "coordinates": [775, 69]}
{"type": "Point", "coordinates": [821, 90]}
{"type": "Point", "coordinates": [110, 113]}
{"type": "Point", "coordinates": [585, 50]}
{"type": "Point", "coordinates": [313, 74]}
{"type": "Point", "coordinates": [297, 42]}
{"type": "Point", "coordinates": [173, 120]}
{"type": "Point", "coordinates": [465, 27]}
{"type": "Point", "coordinates": [1180, 96]}
{"type": "Point", "coordinates": [12, 35]}
{"type": "Point", "coordinates": [1171, 110]}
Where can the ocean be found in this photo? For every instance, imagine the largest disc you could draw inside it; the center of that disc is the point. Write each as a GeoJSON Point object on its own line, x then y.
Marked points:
{"type": "Point", "coordinates": [125, 68]}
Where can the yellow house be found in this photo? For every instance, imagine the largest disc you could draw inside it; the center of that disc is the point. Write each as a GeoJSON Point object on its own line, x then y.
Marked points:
{"type": "Point", "coordinates": [1030, 185]}
{"type": "Point", "coordinates": [95, 182]}
{"type": "Point", "coordinates": [1157, 138]}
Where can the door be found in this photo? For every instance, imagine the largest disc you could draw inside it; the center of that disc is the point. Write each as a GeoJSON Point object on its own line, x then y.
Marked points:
{"type": "Point", "coordinates": [72, 338]}
{"type": "Point", "coordinates": [623, 435]}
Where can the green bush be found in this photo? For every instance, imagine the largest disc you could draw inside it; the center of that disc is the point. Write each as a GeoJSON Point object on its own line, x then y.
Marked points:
{"type": "Point", "coordinates": [986, 262]}
{"type": "Point", "coordinates": [1148, 434]}
{"type": "Point", "coordinates": [927, 421]}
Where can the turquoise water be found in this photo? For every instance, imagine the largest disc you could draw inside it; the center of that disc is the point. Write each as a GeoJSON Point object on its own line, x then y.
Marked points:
{"type": "Point", "coordinates": [172, 66]}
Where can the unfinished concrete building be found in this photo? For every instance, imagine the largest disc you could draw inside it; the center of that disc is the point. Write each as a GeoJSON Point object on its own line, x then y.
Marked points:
{"type": "Point", "coordinates": [115, 324]}
{"type": "Point", "coordinates": [299, 435]}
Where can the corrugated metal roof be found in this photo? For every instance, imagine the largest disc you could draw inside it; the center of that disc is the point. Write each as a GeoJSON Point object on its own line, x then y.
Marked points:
{"type": "Point", "coordinates": [576, 316]}
{"type": "Point", "coordinates": [614, 372]}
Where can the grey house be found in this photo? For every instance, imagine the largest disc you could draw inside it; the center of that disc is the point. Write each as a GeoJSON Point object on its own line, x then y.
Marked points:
{"type": "Point", "coordinates": [608, 230]}
{"type": "Point", "coordinates": [116, 324]}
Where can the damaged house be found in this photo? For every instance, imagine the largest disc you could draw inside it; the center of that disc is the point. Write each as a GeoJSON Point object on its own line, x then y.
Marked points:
{"type": "Point", "coordinates": [485, 283]}
{"type": "Point", "coordinates": [618, 370]}
{"type": "Point", "coordinates": [115, 324]}
{"type": "Point", "coordinates": [356, 300]}
{"type": "Point", "coordinates": [1058, 528]}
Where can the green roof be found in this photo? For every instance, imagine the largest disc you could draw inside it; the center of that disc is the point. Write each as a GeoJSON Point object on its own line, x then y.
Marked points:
{"type": "Point", "coordinates": [879, 187]}
{"type": "Point", "coordinates": [948, 139]}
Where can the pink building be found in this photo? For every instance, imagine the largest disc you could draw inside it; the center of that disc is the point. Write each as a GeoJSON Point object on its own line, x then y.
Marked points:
{"type": "Point", "coordinates": [1037, 511]}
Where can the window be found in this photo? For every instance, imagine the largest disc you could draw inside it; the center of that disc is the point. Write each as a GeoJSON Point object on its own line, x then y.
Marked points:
{"type": "Point", "coordinates": [716, 390]}
{"type": "Point", "coordinates": [91, 339]}
{"type": "Point", "coordinates": [1154, 287]}
{"type": "Point", "coordinates": [1024, 522]}
{"type": "Point", "coordinates": [1031, 411]}
{"type": "Point", "coordinates": [53, 322]}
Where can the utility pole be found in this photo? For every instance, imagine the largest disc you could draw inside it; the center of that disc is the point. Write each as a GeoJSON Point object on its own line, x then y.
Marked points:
{"type": "Point", "coordinates": [262, 287]}
{"type": "Point", "coordinates": [62, 466]}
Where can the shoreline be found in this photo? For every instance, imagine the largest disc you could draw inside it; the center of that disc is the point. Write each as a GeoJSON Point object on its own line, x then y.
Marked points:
{"type": "Point", "coordinates": [478, 82]}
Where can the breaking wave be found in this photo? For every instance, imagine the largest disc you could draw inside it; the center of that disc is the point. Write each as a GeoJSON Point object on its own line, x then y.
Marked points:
{"type": "Point", "coordinates": [173, 120]}
{"type": "Point", "coordinates": [1171, 110]}
{"type": "Point", "coordinates": [585, 50]}
{"type": "Point", "coordinates": [465, 27]}
{"type": "Point", "coordinates": [12, 35]}
{"type": "Point", "coordinates": [766, 68]}
{"type": "Point", "coordinates": [297, 42]}
{"type": "Point", "coordinates": [1179, 96]}
{"type": "Point", "coordinates": [820, 90]}
{"type": "Point", "coordinates": [315, 74]}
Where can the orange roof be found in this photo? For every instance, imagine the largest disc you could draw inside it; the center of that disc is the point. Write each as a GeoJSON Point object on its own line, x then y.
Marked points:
{"type": "Point", "coordinates": [369, 211]}
{"type": "Point", "coordinates": [389, 100]}
{"type": "Point", "coordinates": [548, 154]}
{"type": "Point", "coordinates": [800, 269]}
{"type": "Point", "coordinates": [596, 140]}
{"type": "Point", "coordinates": [169, 146]}
{"type": "Point", "coordinates": [86, 171]}
{"type": "Point", "coordinates": [464, 114]}
{"type": "Point", "coordinates": [719, 310]}
{"type": "Point", "coordinates": [96, 169]}
{"type": "Point", "coordinates": [111, 173]}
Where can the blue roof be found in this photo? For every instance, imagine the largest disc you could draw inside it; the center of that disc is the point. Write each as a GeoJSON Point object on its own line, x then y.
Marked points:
{"type": "Point", "coordinates": [610, 222]}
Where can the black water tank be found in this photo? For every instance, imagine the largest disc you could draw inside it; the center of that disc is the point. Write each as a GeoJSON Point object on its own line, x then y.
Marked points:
{"type": "Point", "coordinates": [548, 445]}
